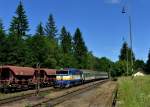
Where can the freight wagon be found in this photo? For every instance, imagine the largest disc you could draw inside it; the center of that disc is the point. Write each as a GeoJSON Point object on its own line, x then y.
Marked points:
{"type": "Point", "coordinates": [46, 77]}
{"type": "Point", "coordinates": [13, 77]}
{"type": "Point", "coordinates": [20, 78]}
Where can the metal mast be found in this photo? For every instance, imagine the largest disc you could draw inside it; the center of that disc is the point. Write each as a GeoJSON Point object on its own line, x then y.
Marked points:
{"type": "Point", "coordinates": [124, 10]}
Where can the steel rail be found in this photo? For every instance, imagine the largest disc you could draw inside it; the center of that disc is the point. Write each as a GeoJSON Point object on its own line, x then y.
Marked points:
{"type": "Point", "coordinates": [55, 101]}
{"type": "Point", "coordinates": [20, 97]}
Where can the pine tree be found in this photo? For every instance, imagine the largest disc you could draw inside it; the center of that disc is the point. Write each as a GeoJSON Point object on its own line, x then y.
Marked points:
{"type": "Point", "coordinates": [66, 41]}
{"type": "Point", "coordinates": [69, 43]}
{"type": "Point", "coordinates": [125, 53]}
{"type": "Point", "coordinates": [125, 59]}
{"type": "Point", "coordinates": [51, 33]}
{"type": "Point", "coordinates": [19, 25]}
{"type": "Point", "coordinates": [80, 50]}
{"type": "Point", "coordinates": [39, 46]}
{"type": "Point", "coordinates": [133, 56]}
{"type": "Point", "coordinates": [2, 43]}
{"type": "Point", "coordinates": [1, 26]}
{"type": "Point", "coordinates": [68, 60]}
{"type": "Point", "coordinates": [40, 30]}
{"type": "Point", "coordinates": [2, 31]}
{"type": "Point", "coordinates": [17, 50]}
{"type": "Point", "coordinates": [51, 29]}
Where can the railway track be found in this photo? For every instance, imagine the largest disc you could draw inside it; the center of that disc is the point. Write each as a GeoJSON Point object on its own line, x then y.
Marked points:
{"type": "Point", "coordinates": [51, 101]}
{"type": "Point", "coordinates": [22, 96]}
{"type": "Point", "coordinates": [68, 95]}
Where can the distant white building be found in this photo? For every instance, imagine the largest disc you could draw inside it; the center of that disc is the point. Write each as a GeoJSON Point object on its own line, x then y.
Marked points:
{"type": "Point", "coordinates": [140, 73]}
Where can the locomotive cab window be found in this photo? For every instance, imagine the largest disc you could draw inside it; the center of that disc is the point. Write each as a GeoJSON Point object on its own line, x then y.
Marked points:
{"type": "Point", "coordinates": [62, 72]}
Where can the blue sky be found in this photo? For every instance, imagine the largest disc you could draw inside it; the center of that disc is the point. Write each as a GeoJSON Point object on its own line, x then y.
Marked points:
{"type": "Point", "coordinates": [101, 22]}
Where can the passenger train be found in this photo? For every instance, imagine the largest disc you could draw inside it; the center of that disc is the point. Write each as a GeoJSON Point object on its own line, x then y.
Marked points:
{"type": "Point", "coordinates": [70, 77]}
{"type": "Point", "coordinates": [14, 78]}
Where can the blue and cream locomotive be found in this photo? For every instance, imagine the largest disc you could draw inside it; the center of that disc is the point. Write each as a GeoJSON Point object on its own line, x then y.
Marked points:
{"type": "Point", "coordinates": [68, 77]}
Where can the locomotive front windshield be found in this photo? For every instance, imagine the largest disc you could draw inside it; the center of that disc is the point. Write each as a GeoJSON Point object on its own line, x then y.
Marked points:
{"type": "Point", "coordinates": [62, 72]}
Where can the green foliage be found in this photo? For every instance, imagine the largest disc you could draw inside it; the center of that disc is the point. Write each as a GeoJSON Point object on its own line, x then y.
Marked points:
{"type": "Point", "coordinates": [68, 59]}
{"type": "Point", "coordinates": [125, 53]}
{"type": "Point", "coordinates": [39, 47]}
{"type": "Point", "coordinates": [119, 68]}
{"type": "Point", "coordinates": [40, 30]}
{"type": "Point", "coordinates": [54, 54]}
{"type": "Point", "coordinates": [16, 51]}
{"type": "Point", "coordinates": [91, 61]}
{"type": "Point", "coordinates": [66, 41]}
{"type": "Point", "coordinates": [51, 29]}
{"type": "Point", "coordinates": [19, 25]}
{"type": "Point", "coordinates": [1, 27]}
{"type": "Point", "coordinates": [105, 64]}
{"type": "Point", "coordinates": [80, 50]}
{"type": "Point", "coordinates": [123, 66]}
{"type": "Point", "coordinates": [139, 64]}
{"type": "Point", "coordinates": [2, 43]}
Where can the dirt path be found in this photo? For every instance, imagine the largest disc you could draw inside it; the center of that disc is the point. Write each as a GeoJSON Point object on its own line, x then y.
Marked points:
{"type": "Point", "coordinates": [98, 97]}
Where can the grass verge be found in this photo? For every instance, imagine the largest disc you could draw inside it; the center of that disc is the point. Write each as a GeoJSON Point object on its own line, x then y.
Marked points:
{"type": "Point", "coordinates": [134, 92]}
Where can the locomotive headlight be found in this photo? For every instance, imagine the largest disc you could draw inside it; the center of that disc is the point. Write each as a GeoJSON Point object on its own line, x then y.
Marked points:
{"type": "Point", "coordinates": [58, 77]}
